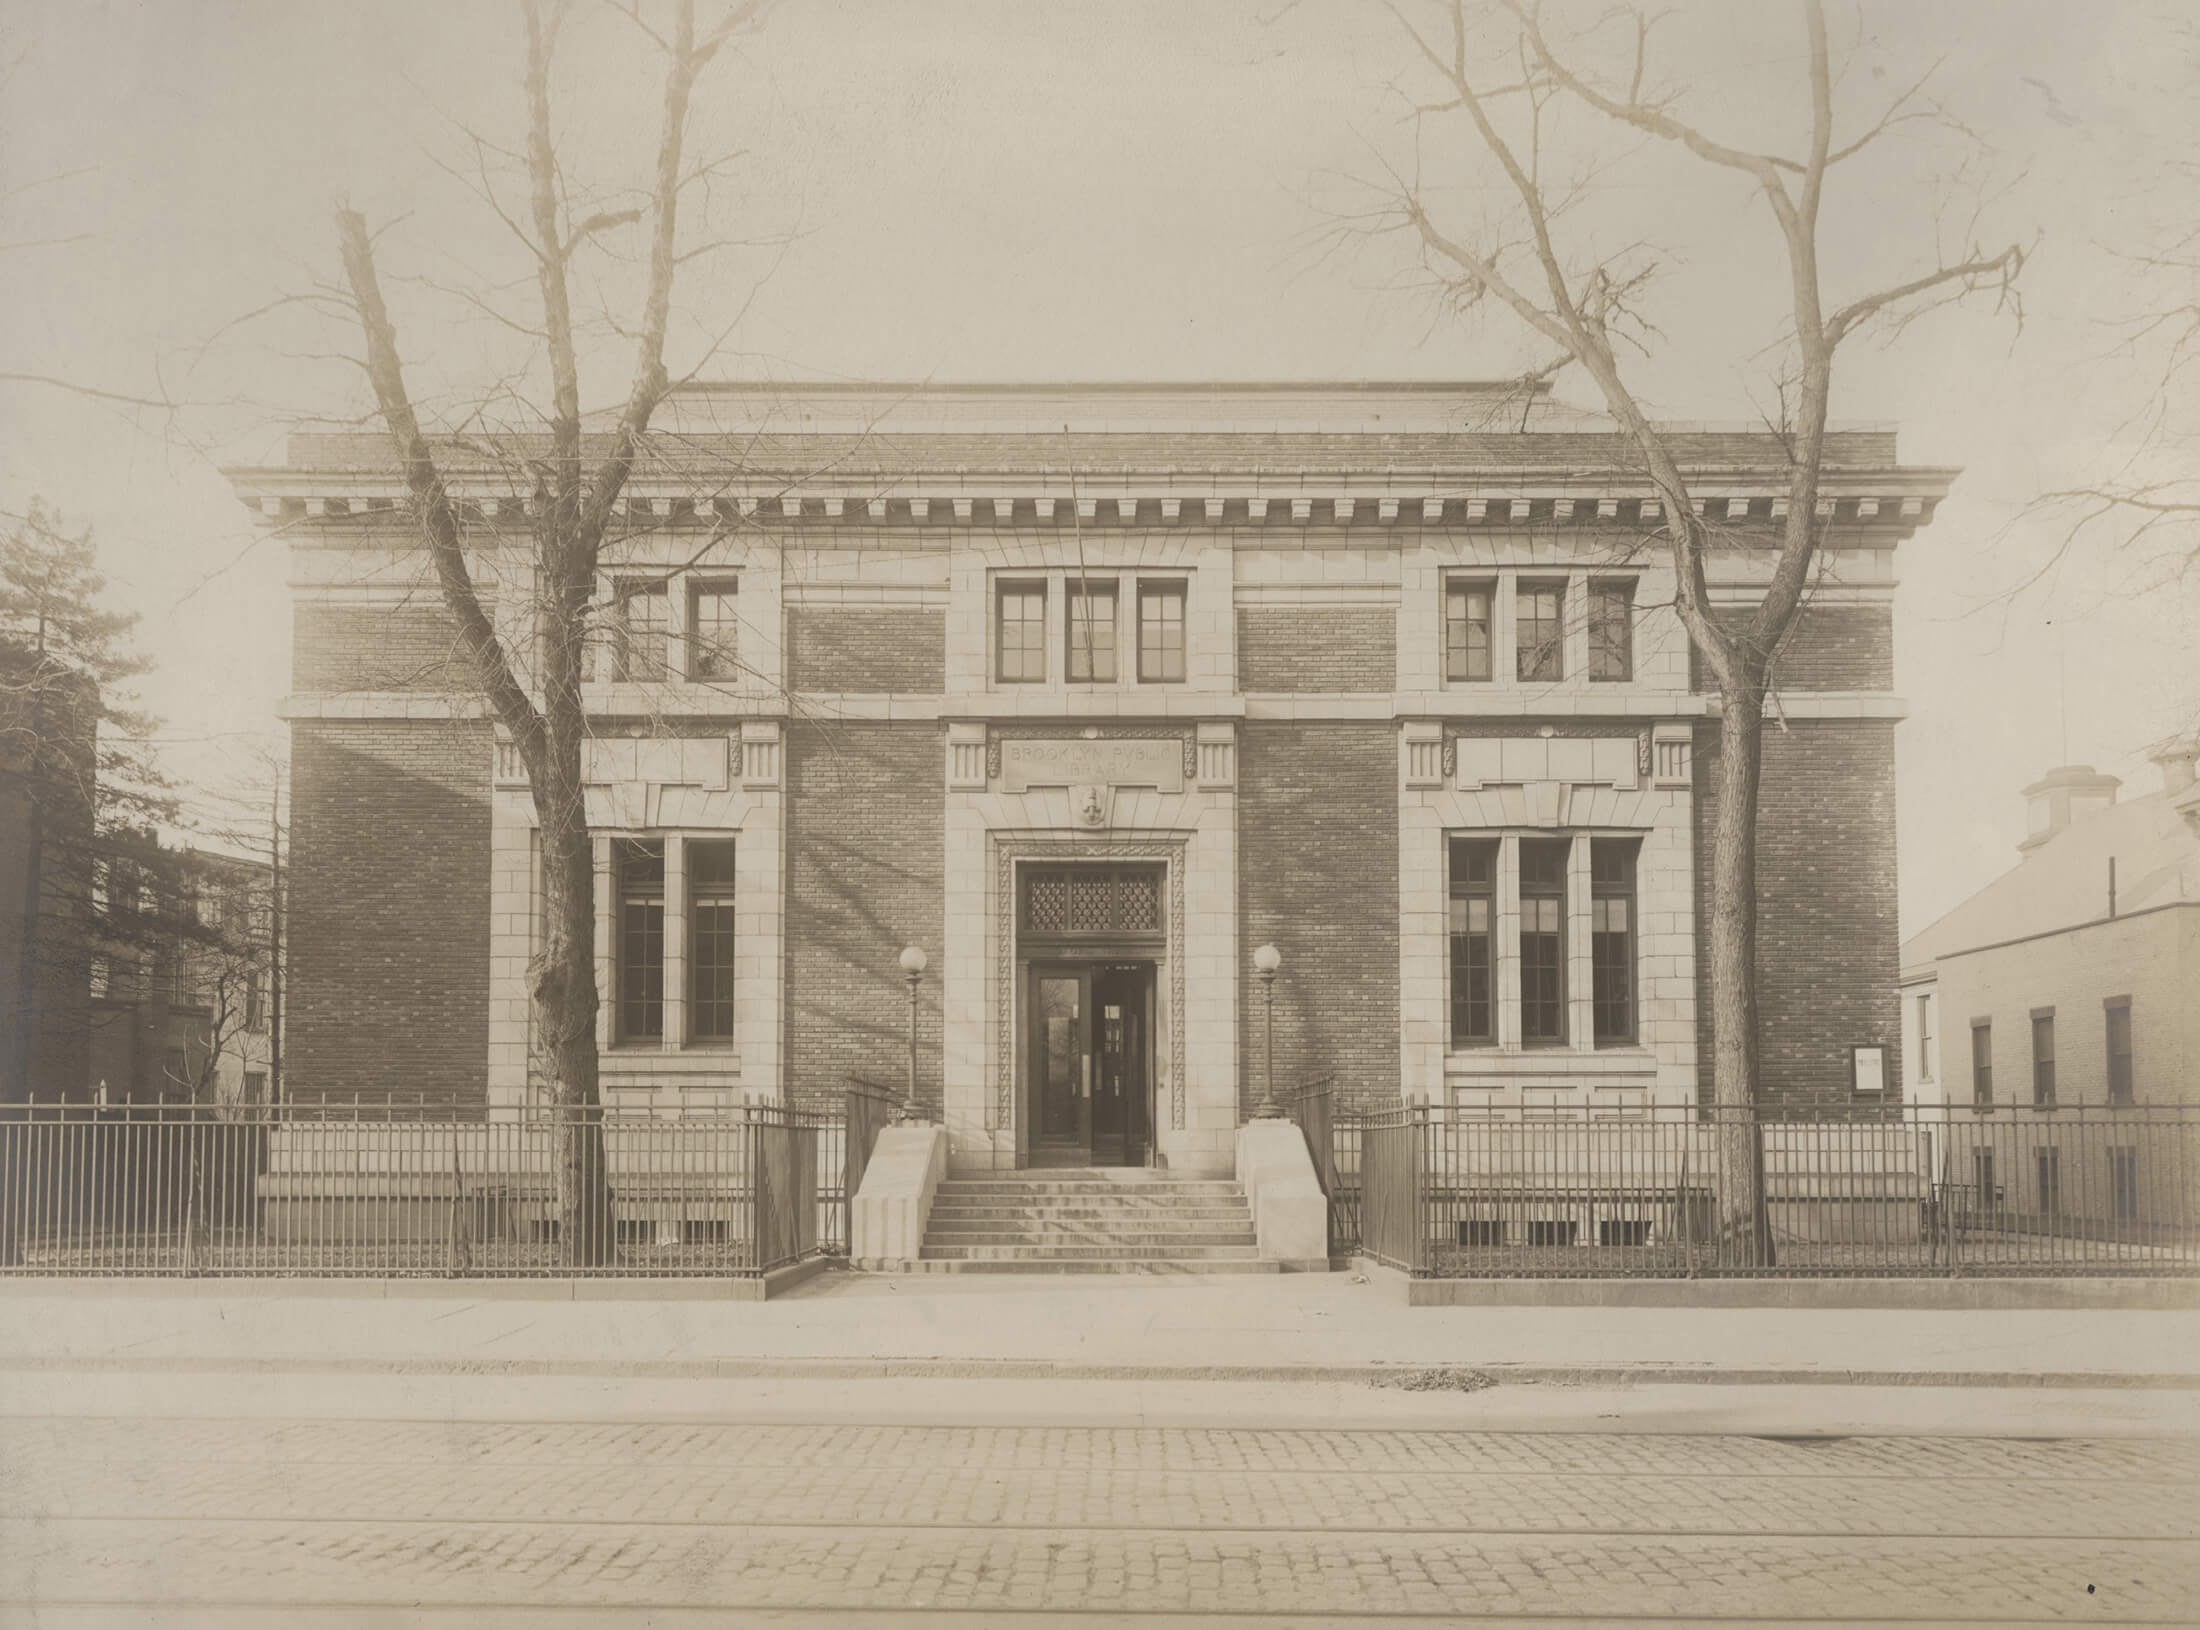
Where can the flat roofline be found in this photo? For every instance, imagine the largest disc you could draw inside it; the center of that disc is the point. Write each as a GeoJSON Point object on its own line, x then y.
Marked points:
{"type": "Point", "coordinates": [1031, 387]}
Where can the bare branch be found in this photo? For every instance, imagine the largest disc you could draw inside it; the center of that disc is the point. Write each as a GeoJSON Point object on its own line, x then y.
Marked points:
{"type": "Point", "coordinates": [1995, 271]}
{"type": "Point", "coordinates": [438, 519]}
{"type": "Point", "coordinates": [70, 385]}
{"type": "Point", "coordinates": [650, 381]}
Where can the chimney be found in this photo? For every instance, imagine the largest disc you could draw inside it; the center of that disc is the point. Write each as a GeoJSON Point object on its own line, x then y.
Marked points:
{"type": "Point", "coordinates": [2062, 797]}
{"type": "Point", "coordinates": [2177, 757]}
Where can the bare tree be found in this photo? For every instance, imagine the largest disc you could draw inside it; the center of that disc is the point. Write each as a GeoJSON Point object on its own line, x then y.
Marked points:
{"type": "Point", "coordinates": [226, 979]}
{"type": "Point", "coordinates": [575, 497]}
{"type": "Point", "coordinates": [1509, 79]}
{"type": "Point", "coordinates": [2144, 498]}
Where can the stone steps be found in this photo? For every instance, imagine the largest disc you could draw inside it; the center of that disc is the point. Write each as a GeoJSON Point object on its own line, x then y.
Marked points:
{"type": "Point", "coordinates": [1071, 1220]}
{"type": "Point", "coordinates": [1079, 1213]}
{"type": "Point", "coordinates": [1050, 1252]}
{"type": "Point", "coordinates": [1111, 1193]}
{"type": "Point", "coordinates": [1125, 1264]}
{"type": "Point", "coordinates": [1141, 1242]}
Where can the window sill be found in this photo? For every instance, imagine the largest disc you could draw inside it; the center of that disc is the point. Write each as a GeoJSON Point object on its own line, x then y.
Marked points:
{"type": "Point", "coordinates": [1604, 1063]}
{"type": "Point", "coordinates": [626, 1064]}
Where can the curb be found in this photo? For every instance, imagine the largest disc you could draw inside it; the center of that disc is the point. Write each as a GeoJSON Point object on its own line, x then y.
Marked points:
{"type": "Point", "coordinates": [1614, 1376]}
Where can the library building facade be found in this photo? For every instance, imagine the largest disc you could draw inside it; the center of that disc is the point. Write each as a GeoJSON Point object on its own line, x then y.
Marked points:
{"type": "Point", "coordinates": [1161, 719]}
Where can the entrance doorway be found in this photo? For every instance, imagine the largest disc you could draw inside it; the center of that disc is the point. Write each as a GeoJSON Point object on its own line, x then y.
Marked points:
{"type": "Point", "coordinates": [1089, 1074]}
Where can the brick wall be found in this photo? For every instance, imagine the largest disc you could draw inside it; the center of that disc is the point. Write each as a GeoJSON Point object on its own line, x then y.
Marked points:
{"type": "Point", "coordinates": [388, 943]}
{"type": "Point", "coordinates": [881, 648]}
{"type": "Point", "coordinates": [866, 807]}
{"type": "Point", "coordinates": [1829, 648]}
{"type": "Point", "coordinates": [1317, 648]}
{"type": "Point", "coordinates": [1318, 878]}
{"type": "Point", "coordinates": [408, 647]}
{"type": "Point", "coordinates": [1827, 943]}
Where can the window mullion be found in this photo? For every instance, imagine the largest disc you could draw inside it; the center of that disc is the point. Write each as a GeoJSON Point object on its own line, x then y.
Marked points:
{"type": "Point", "coordinates": [1573, 626]}
{"type": "Point", "coordinates": [1580, 964]}
{"type": "Point", "coordinates": [1057, 631]}
{"type": "Point", "coordinates": [1504, 649]}
{"type": "Point", "coordinates": [679, 616]}
{"type": "Point", "coordinates": [676, 943]}
{"type": "Point", "coordinates": [607, 973]}
{"type": "Point", "coordinates": [1508, 940]}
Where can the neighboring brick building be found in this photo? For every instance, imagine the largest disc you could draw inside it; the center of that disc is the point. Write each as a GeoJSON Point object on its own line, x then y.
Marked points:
{"type": "Point", "coordinates": [1088, 691]}
{"type": "Point", "coordinates": [182, 979]}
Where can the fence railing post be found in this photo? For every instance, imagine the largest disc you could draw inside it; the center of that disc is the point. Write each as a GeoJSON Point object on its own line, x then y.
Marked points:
{"type": "Point", "coordinates": [1423, 1209]}
{"type": "Point", "coordinates": [459, 1253]}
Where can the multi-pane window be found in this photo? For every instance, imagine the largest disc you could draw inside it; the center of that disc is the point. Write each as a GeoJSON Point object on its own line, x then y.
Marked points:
{"type": "Point", "coordinates": [1982, 1177]}
{"type": "Point", "coordinates": [1611, 631]}
{"type": "Point", "coordinates": [2043, 1059]}
{"type": "Point", "coordinates": [1091, 633]}
{"type": "Point", "coordinates": [2118, 1014]}
{"type": "Point", "coordinates": [1925, 1048]}
{"type": "Point", "coordinates": [2123, 1184]}
{"type": "Point", "coordinates": [641, 631]}
{"type": "Point", "coordinates": [1982, 1063]}
{"type": "Point", "coordinates": [1552, 926]}
{"type": "Point", "coordinates": [1612, 937]}
{"type": "Point", "coordinates": [102, 976]}
{"type": "Point", "coordinates": [1020, 633]}
{"type": "Point", "coordinates": [2049, 1165]}
{"type": "Point", "coordinates": [1160, 632]}
{"type": "Point", "coordinates": [1473, 941]}
{"type": "Point", "coordinates": [255, 1086]}
{"type": "Point", "coordinates": [1542, 942]}
{"type": "Point", "coordinates": [1467, 631]}
{"type": "Point", "coordinates": [641, 935]}
{"type": "Point", "coordinates": [254, 1019]}
{"type": "Point", "coordinates": [713, 631]}
{"type": "Point", "coordinates": [1539, 631]}
{"type": "Point", "coordinates": [710, 939]}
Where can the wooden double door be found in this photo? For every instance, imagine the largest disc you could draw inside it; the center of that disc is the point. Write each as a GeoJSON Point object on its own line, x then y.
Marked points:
{"type": "Point", "coordinates": [1089, 1073]}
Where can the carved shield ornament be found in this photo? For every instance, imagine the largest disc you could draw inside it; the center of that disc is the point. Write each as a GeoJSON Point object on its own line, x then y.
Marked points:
{"type": "Point", "coordinates": [1091, 805]}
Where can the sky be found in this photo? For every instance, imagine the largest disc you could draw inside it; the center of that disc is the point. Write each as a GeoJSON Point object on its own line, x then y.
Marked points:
{"type": "Point", "coordinates": [1097, 189]}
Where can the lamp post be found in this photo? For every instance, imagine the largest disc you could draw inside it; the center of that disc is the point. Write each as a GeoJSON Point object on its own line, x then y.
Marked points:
{"type": "Point", "coordinates": [1266, 961]}
{"type": "Point", "coordinates": [912, 969]}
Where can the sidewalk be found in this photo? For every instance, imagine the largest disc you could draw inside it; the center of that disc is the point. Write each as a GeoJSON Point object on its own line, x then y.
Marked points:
{"type": "Point", "coordinates": [1243, 1328]}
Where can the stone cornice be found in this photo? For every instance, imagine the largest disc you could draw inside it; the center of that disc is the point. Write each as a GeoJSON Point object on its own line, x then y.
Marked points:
{"type": "Point", "coordinates": [1177, 708]}
{"type": "Point", "coordinates": [1885, 506]}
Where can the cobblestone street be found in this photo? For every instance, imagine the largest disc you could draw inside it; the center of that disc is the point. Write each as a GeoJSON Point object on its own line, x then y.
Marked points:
{"type": "Point", "coordinates": [325, 1521]}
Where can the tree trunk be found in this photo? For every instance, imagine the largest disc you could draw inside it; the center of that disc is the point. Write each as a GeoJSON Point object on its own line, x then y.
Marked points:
{"type": "Point", "coordinates": [565, 1003]}
{"type": "Point", "coordinates": [1745, 1232]}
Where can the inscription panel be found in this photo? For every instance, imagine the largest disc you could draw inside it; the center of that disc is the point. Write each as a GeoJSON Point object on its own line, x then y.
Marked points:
{"type": "Point", "coordinates": [1028, 763]}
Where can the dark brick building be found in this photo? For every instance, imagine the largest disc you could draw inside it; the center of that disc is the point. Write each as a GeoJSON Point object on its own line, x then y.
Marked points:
{"type": "Point", "coordinates": [1087, 692]}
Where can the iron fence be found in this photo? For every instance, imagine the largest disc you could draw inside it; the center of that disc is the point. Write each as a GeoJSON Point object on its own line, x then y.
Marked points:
{"type": "Point", "coordinates": [231, 1190]}
{"type": "Point", "coordinates": [1449, 1193]}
